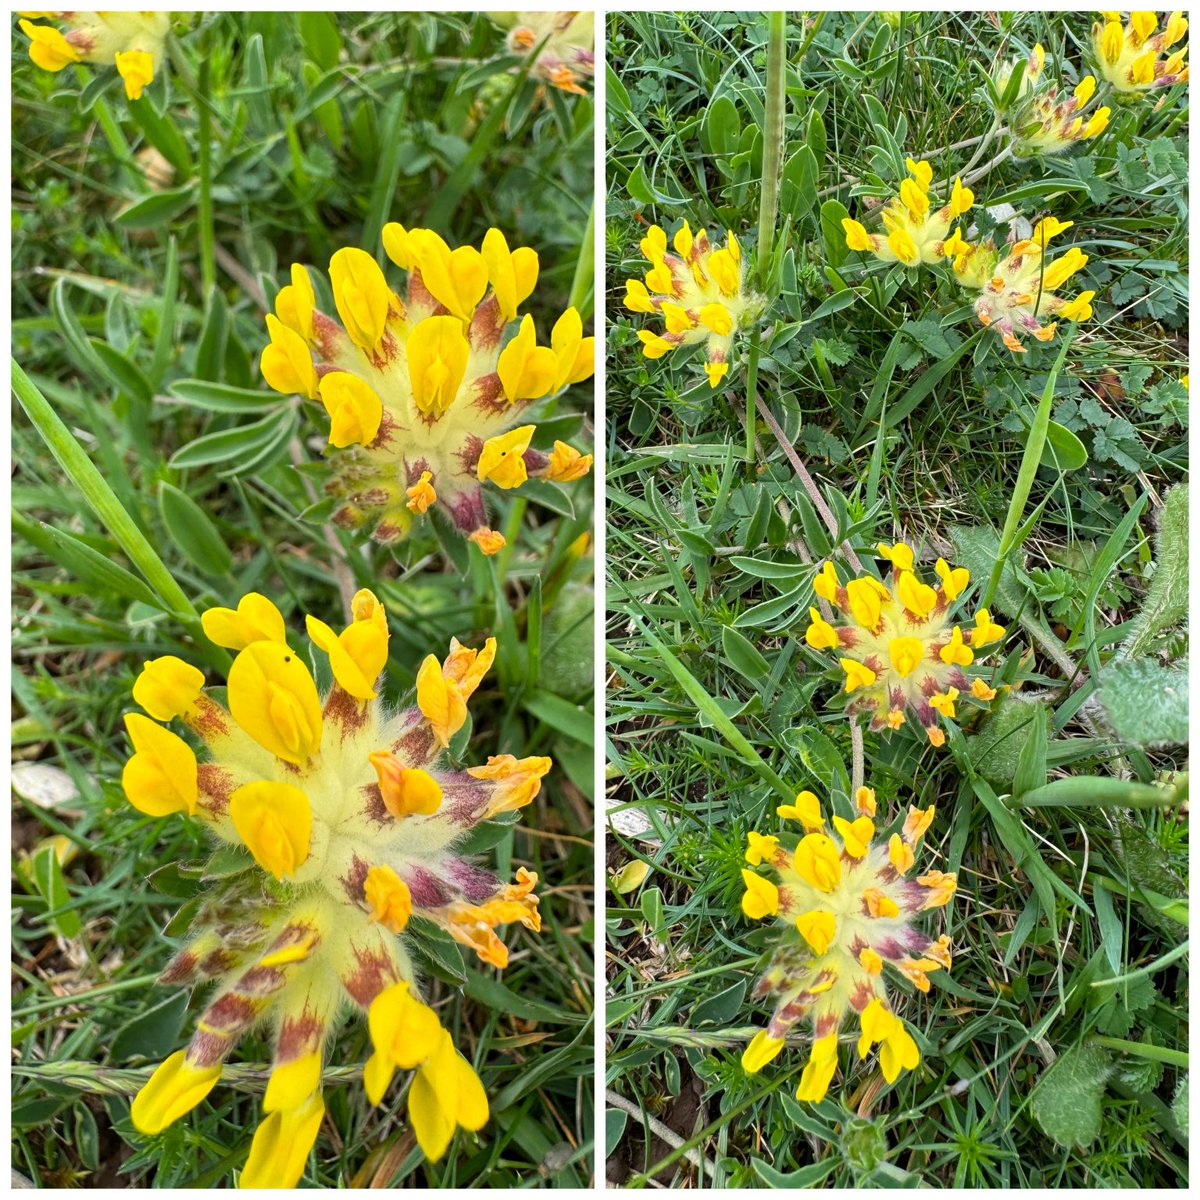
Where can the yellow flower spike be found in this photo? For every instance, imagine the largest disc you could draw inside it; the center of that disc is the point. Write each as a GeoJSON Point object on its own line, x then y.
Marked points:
{"type": "Point", "coordinates": [175, 1088]}
{"type": "Point", "coordinates": [818, 1073]}
{"type": "Point", "coordinates": [574, 353]}
{"type": "Point", "coordinates": [292, 1083]}
{"type": "Point", "coordinates": [857, 675]}
{"type": "Point", "coordinates": [856, 835]}
{"type": "Point", "coordinates": [512, 274]}
{"type": "Point", "coordinates": [952, 247]}
{"type": "Point", "coordinates": [273, 698]}
{"type": "Point", "coordinates": [761, 1050]}
{"type": "Point", "coordinates": [256, 619]}
{"type": "Point", "coordinates": [274, 820]}
{"type": "Point", "coordinates": [941, 887]}
{"type": "Point", "coordinates": [936, 736]}
{"type": "Point", "coordinates": [986, 630]}
{"type": "Point", "coordinates": [489, 541]}
{"type": "Point", "coordinates": [917, 822]}
{"type": "Point", "coordinates": [817, 929]}
{"type": "Point", "coordinates": [879, 904]}
{"type": "Point", "coordinates": [136, 68]}
{"type": "Point", "coordinates": [502, 458]}
{"type": "Point", "coordinates": [817, 862]}
{"type": "Point", "coordinates": [955, 653]}
{"type": "Point", "coordinates": [567, 464]}
{"type": "Point", "coordinates": [467, 667]}
{"type": "Point", "coordinates": [445, 1093]}
{"type": "Point", "coordinates": [660, 280]}
{"type": "Point", "coordinates": [443, 690]}
{"type": "Point", "coordinates": [919, 598]}
{"type": "Point", "coordinates": [438, 353]}
{"type": "Point", "coordinates": [286, 363]}
{"type": "Point", "coordinates": [296, 302]}
{"type": "Point", "coordinates": [48, 48]}
{"type": "Point", "coordinates": [865, 602]}
{"type": "Point", "coordinates": [404, 1033]}
{"type": "Point", "coordinates": [1061, 269]}
{"type": "Point", "coordinates": [362, 296]}
{"type": "Point", "coordinates": [406, 790]}
{"type": "Point", "coordinates": [456, 279]}
{"type": "Point", "coordinates": [954, 579]}
{"type": "Point", "coordinates": [826, 583]}
{"type": "Point", "coordinates": [943, 702]}
{"type": "Point", "coordinates": [282, 1144]}
{"type": "Point", "coordinates": [389, 899]}
{"type": "Point", "coordinates": [864, 801]}
{"type": "Point", "coordinates": [900, 555]}
{"type": "Point", "coordinates": [806, 809]}
{"type": "Point", "coordinates": [820, 635]}
{"type": "Point", "coordinates": [654, 346]}
{"type": "Point", "coordinates": [355, 410]}
{"type": "Point", "coordinates": [397, 245]}
{"type": "Point", "coordinates": [761, 848]}
{"type": "Point", "coordinates": [875, 1023]}
{"type": "Point", "coordinates": [906, 654]}
{"type": "Point", "coordinates": [1142, 25]}
{"type": "Point", "coordinates": [357, 655]}
{"type": "Point", "coordinates": [857, 237]}
{"type": "Point", "coordinates": [981, 691]}
{"type": "Point", "coordinates": [168, 687]}
{"type": "Point", "coordinates": [761, 898]}
{"type": "Point", "coordinates": [527, 371]}
{"type": "Point", "coordinates": [914, 199]}
{"type": "Point", "coordinates": [900, 854]}
{"type": "Point", "coordinates": [161, 777]}
{"type": "Point", "coordinates": [421, 496]}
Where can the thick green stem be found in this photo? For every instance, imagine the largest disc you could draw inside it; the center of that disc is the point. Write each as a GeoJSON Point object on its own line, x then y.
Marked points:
{"type": "Point", "coordinates": [768, 204]}
{"type": "Point", "coordinates": [752, 389]}
{"type": "Point", "coordinates": [1177, 1058]}
{"type": "Point", "coordinates": [103, 501]}
{"type": "Point", "coordinates": [208, 258]}
{"type": "Point", "coordinates": [585, 268]}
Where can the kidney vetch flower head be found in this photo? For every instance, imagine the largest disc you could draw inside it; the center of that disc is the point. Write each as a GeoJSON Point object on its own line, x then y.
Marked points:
{"type": "Point", "coordinates": [424, 396]}
{"type": "Point", "coordinates": [1018, 289]}
{"type": "Point", "coordinates": [699, 292]}
{"type": "Point", "coordinates": [1042, 119]}
{"type": "Point", "coordinates": [130, 41]}
{"type": "Point", "coordinates": [1127, 57]}
{"type": "Point", "coordinates": [900, 653]}
{"type": "Point", "coordinates": [349, 814]}
{"type": "Point", "coordinates": [568, 57]}
{"type": "Point", "coordinates": [915, 231]}
{"type": "Point", "coordinates": [845, 905]}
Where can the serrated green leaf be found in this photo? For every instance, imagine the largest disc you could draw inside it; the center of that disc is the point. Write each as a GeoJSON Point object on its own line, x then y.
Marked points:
{"type": "Point", "coordinates": [1166, 602]}
{"type": "Point", "coordinates": [1146, 703]}
{"type": "Point", "coordinates": [1066, 1100]}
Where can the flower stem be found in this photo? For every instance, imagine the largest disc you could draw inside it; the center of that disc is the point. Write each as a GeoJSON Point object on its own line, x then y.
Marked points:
{"type": "Point", "coordinates": [208, 261]}
{"type": "Point", "coordinates": [752, 390]}
{"type": "Point", "coordinates": [581, 297]}
{"type": "Point", "coordinates": [768, 204]}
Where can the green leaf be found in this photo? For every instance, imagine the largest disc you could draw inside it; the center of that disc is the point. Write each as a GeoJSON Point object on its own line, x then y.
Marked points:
{"type": "Point", "coordinates": [572, 719]}
{"type": "Point", "coordinates": [1065, 452]}
{"type": "Point", "coordinates": [152, 1034]}
{"type": "Point", "coordinates": [227, 444]}
{"type": "Point", "coordinates": [1166, 602]}
{"type": "Point", "coordinates": [742, 655]}
{"type": "Point", "coordinates": [220, 397]}
{"type": "Point", "coordinates": [644, 192]}
{"type": "Point", "coordinates": [127, 377]}
{"type": "Point", "coordinates": [1066, 1100]}
{"type": "Point", "coordinates": [52, 887]}
{"type": "Point", "coordinates": [810, 1176]}
{"type": "Point", "coordinates": [1030, 771]}
{"type": "Point", "coordinates": [997, 750]}
{"type": "Point", "coordinates": [157, 209]}
{"type": "Point", "coordinates": [615, 1120]}
{"type": "Point", "coordinates": [722, 127]}
{"type": "Point", "coordinates": [192, 531]}
{"type": "Point", "coordinates": [722, 1007]}
{"type": "Point", "coordinates": [832, 233]}
{"type": "Point", "coordinates": [1146, 703]}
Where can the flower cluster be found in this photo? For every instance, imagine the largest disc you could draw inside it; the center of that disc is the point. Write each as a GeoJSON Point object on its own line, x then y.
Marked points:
{"type": "Point", "coordinates": [130, 41]}
{"type": "Point", "coordinates": [915, 231]}
{"type": "Point", "coordinates": [847, 906]}
{"type": "Point", "coordinates": [698, 291]}
{"type": "Point", "coordinates": [423, 394]}
{"type": "Point", "coordinates": [899, 652]}
{"type": "Point", "coordinates": [349, 816]}
{"type": "Point", "coordinates": [568, 57]}
{"type": "Point", "coordinates": [1127, 57]}
{"type": "Point", "coordinates": [1016, 291]}
{"type": "Point", "coordinates": [1044, 121]}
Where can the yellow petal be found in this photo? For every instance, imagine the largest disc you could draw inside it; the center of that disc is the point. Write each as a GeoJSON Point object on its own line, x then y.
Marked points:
{"type": "Point", "coordinates": [255, 619]}
{"type": "Point", "coordinates": [361, 294]}
{"type": "Point", "coordinates": [175, 1088]}
{"type": "Point", "coordinates": [527, 371]}
{"type": "Point", "coordinates": [168, 687]}
{"type": "Point", "coordinates": [273, 698]}
{"type": "Point", "coordinates": [274, 820]}
{"type": "Point", "coordinates": [355, 411]}
{"type": "Point", "coordinates": [502, 458]}
{"type": "Point", "coordinates": [437, 361]}
{"type": "Point", "coordinates": [282, 1144]}
{"type": "Point", "coordinates": [161, 777]}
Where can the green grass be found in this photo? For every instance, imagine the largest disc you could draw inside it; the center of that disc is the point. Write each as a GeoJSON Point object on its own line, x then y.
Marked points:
{"type": "Point", "coordinates": [322, 128]}
{"type": "Point", "coordinates": [913, 422]}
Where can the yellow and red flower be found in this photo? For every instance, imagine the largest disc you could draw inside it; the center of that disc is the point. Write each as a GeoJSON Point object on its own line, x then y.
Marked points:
{"type": "Point", "coordinates": [1042, 119]}
{"type": "Point", "coordinates": [348, 817]}
{"type": "Point", "coordinates": [846, 905]}
{"type": "Point", "coordinates": [901, 655]}
{"type": "Point", "coordinates": [1128, 57]}
{"type": "Point", "coordinates": [567, 59]}
{"type": "Point", "coordinates": [424, 395]}
{"type": "Point", "coordinates": [699, 292]}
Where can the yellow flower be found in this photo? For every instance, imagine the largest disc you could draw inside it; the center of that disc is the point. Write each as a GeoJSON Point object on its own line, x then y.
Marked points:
{"type": "Point", "coordinates": [1130, 59]}
{"type": "Point", "coordinates": [422, 386]}
{"type": "Point", "coordinates": [914, 231]}
{"type": "Point", "coordinates": [700, 294]}
{"type": "Point", "coordinates": [502, 459]}
{"type": "Point", "coordinates": [842, 910]}
{"type": "Point", "coordinates": [898, 648]}
{"type": "Point", "coordinates": [338, 800]}
{"type": "Point", "coordinates": [761, 849]}
{"type": "Point", "coordinates": [806, 809]}
{"type": "Point", "coordinates": [130, 41]}
{"type": "Point", "coordinates": [761, 898]}
{"type": "Point", "coordinates": [566, 59]}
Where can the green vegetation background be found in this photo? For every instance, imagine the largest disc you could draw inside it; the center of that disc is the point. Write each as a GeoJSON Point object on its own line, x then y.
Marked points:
{"type": "Point", "coordinates": [324, 127]}
{"type": "Point", "coordinates": [710, 685]}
